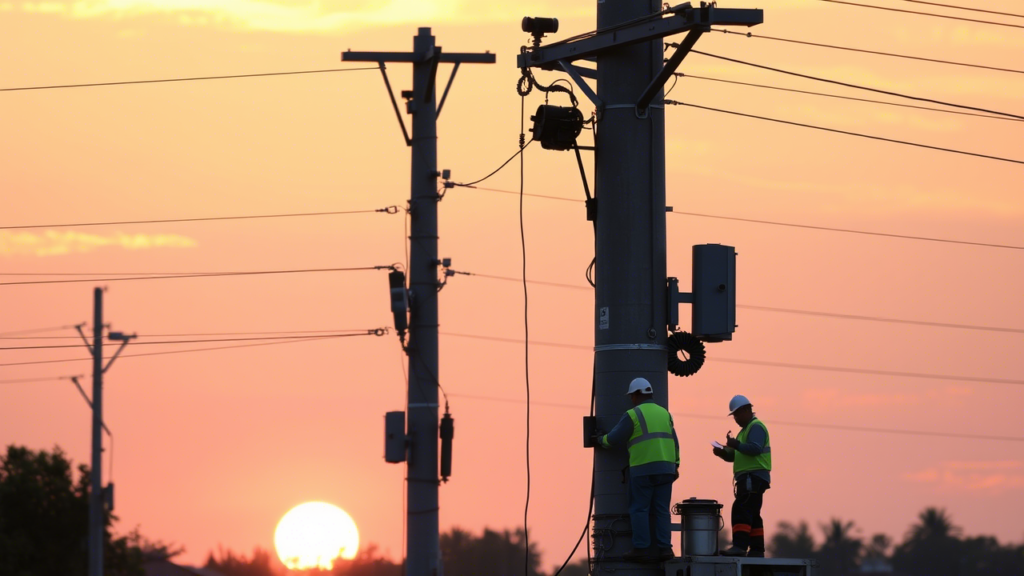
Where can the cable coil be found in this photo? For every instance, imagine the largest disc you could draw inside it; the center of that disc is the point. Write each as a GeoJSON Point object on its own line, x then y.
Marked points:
{"type": "Point", "coordinates": [694, 349]}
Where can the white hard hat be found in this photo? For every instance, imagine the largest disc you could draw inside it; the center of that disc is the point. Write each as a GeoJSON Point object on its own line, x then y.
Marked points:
{"type": "Point", "coordinates": [738, 401]}
{"type": "Point", "coordinates": [640, 385]}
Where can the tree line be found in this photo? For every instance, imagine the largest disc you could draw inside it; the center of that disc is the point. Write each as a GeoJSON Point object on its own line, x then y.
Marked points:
{"type": "Point", "coordinates": [43, 512]}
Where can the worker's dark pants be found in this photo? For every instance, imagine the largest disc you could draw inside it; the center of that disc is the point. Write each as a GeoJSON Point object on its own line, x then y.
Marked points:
{"type": "Point", "coordinates": [649, 499]}
{"type": "Point", "coordinates": [747, 524]}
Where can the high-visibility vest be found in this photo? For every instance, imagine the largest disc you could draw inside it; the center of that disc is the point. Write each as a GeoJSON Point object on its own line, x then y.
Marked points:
{"type": "Point", "coordinates": [652, 435]}
{"type": "Point", "coordinates": [763, 461]}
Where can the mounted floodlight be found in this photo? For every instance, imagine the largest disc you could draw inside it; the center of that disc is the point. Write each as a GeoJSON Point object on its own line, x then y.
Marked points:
{"type": "Point", "coordinates": [556, 127]}
{"type": "Point", "coordinates": [538, 27]}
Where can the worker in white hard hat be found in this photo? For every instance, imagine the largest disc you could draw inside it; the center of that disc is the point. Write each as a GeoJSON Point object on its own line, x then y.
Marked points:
{"type": "Point", "coordinates": [648, 432]}
{"type": "Point", "coordinates": [751, 455]}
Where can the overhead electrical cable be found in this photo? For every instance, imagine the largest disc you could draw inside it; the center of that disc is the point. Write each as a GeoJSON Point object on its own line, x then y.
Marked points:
{"type": "Point", "coordinates": [26, 380]}
{"type": "Point", "coordinates": [38, 330]}
{"type": "Point", "coordinates": [866, 51]}
{"type": "Point", "coordinates": [185, 79]}
{"type": "Point", "coordinates": [207, 349]}
{"type": "Point", "coordinates": [792, 225]}
{"type": "Point", "coordinates": [932, 14]}
{"type": "Point", "coordinates": [970, 8]}
{"type": "Point", "coordinates": [526, 323]}
{"type": "Point", "coordinates": [848, 133]}
{"type": "Point", "coordinates": [197, 275]}
{"type": "Point", "coordinates": [184, 334]}
{"type": "Point", "coordinates": [385, 210]}
{"type": "Point", "coordinates": [899, 431]}
{"type": "Point", "coordinates": [836, 315]}
{"type": "Point", "coordinates": [858, 86]}
{"type": "Point", "coordinates": [851, 98]}
{"type": "Point", "coordinates": [166, 342]}
{"type": "Point", "coordinates": [498, 169]}
{"type": "Point", "coordinates": [811, 367]}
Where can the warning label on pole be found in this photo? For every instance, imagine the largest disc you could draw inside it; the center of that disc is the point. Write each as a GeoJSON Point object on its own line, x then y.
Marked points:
{"type": "Point", "coordinates": [602, 323]}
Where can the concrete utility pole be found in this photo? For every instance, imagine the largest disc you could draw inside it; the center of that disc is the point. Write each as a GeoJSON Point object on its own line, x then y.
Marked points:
{"type": "Point", "coordinates": [421, 439]}
{"type": "Point", "coordinates": [632, 301]}
{"type": "Point", "coordinates": [100, 498]}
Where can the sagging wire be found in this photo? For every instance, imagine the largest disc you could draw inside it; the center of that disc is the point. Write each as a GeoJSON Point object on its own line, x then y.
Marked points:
{"type": "Point", "coordinates": [526, 327]}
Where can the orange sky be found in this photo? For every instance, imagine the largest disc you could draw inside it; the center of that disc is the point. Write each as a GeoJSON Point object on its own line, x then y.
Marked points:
{"type": "Point", "coordinates": [213, 448]}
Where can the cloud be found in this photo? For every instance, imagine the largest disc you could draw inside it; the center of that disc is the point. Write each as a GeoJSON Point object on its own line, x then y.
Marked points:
{"type": "Point", "coordinates": [54, 243]}
{"type": "Point", "coordinates": [993, 476]}
{"type": "Point", "coordinates": [282, 15]}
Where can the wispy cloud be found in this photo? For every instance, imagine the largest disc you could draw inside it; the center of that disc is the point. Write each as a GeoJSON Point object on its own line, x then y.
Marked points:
{"type": "Point", "coordinates": [54, 243]}
{"type": "Point", "coordinates": [282, 15]}
{"type": "Point", "coordinates": [992, 476]}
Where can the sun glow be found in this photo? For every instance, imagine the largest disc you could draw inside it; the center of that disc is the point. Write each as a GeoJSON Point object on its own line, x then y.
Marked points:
{"type": "Point", "coordinates": [314, 535]}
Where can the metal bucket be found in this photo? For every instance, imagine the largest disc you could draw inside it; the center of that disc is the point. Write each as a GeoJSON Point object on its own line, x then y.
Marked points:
{"type": "Point", "coordinates": [701, 522]}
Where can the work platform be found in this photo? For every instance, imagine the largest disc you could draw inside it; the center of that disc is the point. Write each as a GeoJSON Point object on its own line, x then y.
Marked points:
{"type": "Point", "coordinates": [737, 566]}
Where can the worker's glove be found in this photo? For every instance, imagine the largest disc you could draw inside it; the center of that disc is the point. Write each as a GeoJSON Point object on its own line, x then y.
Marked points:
{"type": "Point", "coordinates": [732, 442]}
{"type": "Point", "coordinates": [720, 452]}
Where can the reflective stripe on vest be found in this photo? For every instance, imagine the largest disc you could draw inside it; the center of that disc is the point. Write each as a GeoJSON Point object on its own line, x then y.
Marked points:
{"type": "Point", "coordinates": [652, 439]}
{"type": "Point", "coordinates": [763, 461]}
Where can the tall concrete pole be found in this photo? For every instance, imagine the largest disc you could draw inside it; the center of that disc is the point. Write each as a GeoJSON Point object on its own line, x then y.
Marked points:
{"type": "Point", "coordinates": [422, 477]}
{"type": "Point", "coordinates": [96, 510]}
{"type": "Point", "coordinates": [630, 332]}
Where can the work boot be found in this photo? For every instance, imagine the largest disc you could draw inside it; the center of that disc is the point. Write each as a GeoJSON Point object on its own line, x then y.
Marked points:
{"type": "Point", "coordinates": [734, 551]}
{"type": "Point", "coordinates": [755, 553]}
{"type": "Point", "coordinates": [639, 555]}
{"type": "Point", "coordinates": [666, 554]}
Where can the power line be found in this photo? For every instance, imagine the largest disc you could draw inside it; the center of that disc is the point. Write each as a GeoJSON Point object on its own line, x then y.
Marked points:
{"type": "Point", "coordinates": [25, 380]}
{"type": "Point", "coordinates": [972, 8]}
{"type": "Point", "coordinates": [858, 86]}
{"type": "Point", "coordinates": [386, 210]}
{"type": "Point", "coordinates": [826, 95]}
{"type": "Point", "coordinates": [197, 275]}
{"type": "Point", "coordinates": [207, 349]}
{"type": "Point", "coordinates": [183, 334]}
{"type": "Point", "coordinates": [498, 169]}
{"type": "Point", "coordinates": [888, 9]}
{"type": "Point", "coordinates": [202, 341]}
{"type": "Point", "coordinates": [812, 367]}
{"type": "Point", "coordinates": [899, 431]}
{"type": "Point", "coordinates": [792, 225]}
{"type": "Point", "coordinates": [38, 330]}
{"type": "Point", "coordinates": [848, 133]}
{"type": "Point", "coordinates": [851, 231]}
{"type": "Point", "coordinates": [840, 316]}
{"type": "Point", "coordinates": [187, 79]}
{"type": "Point", "coordinates": [865, 51]}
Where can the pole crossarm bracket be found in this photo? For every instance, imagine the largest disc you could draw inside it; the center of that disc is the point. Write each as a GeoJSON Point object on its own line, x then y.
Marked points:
{"type": "Point", "coordinates": [577, 73]}
{"type": "Point", "coordinates": [681, 19]}
{"type": "Point", "coordinates": [435, 56]}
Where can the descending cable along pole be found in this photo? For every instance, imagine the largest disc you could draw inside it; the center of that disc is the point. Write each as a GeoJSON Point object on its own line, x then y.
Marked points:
{"type": "Point", "coordinates": [422, 431]}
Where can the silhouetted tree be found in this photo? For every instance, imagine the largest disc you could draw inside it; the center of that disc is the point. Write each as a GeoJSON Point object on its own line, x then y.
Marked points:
{"type": "Point", "coordinates": [841, 550]}
{"type": "Point", "coordinates": [44, 519]}
{"type": "Point", "coordinates": [931, 547]}
{"type": "Point", "coordinates": [231, 564]}
{"type": "Point", "coordinates": [791, 541]}
{"type": "Point", "coordinates": [492, 553]}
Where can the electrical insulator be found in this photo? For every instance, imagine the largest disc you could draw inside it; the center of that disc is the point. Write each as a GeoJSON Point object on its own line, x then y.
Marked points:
{"type": "Point", "coordinates": [399, 301]}
{"type": "Point", "coordinates": [447, 433]}
{"type": "Point", "coordinates": [556, 127]}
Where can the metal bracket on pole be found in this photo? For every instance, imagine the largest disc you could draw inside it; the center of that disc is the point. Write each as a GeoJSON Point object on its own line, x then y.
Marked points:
{"type": "Point", "coordinates": [444, 96]}
{"type": "Point", "coordinates": [670, 67]}
{"type": "Point", "coordinates": [432, 78]}
{"type": "Point", "coordinates": [577, 73]}
{"type": "Point", "coordinates": [124, 338]}
{"type": "Point", "coordinates": [675, 298]}
{"type": "Point", "coordinates": [394, 104]}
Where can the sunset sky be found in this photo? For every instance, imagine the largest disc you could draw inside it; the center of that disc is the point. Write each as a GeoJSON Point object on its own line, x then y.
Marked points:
{"type": "Point", "coordinates": [213, 448]}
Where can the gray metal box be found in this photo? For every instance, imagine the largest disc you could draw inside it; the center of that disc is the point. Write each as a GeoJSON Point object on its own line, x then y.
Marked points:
{"type": "Point", "coordinates": [394, 437]}
{"type": "Point", "coordinates": [714, 292]}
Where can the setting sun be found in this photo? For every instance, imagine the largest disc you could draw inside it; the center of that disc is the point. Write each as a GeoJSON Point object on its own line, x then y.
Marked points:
{"type": "Point", "coordinates": [314, 534]}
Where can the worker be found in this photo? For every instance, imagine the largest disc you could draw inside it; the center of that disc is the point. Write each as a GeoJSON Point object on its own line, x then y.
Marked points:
{"type": "Point", "coordinates": [751, 455]}
{"type": "Point", "coordinates": [648, 432]}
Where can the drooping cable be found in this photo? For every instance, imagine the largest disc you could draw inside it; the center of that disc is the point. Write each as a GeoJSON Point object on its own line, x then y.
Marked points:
{"type": "Point", "coordinates": [38, 330]}
{"type": "Point", "coordinates": [526, 326]}
{"type": "Point", "coordinates": [932, 14]}
{"type": "Point", "coordinates": [170, 342]}
{"type": "Point", "coordinates": [498, 169]}
{"type": "Point", "coordinates": [187, 79]}
{"type": "Point", "coordinates": [848, 133]}
{"type": "Point", "coordinates": [858, 86]}
{"type": "Point", "coordinates": [837, 96]}
{"type": "Point", "coordinates": [865, 51]}
{"type": "Point", "coordinates": [385, 210]}
{"type": "Point", "coordinates": [970, 8]}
